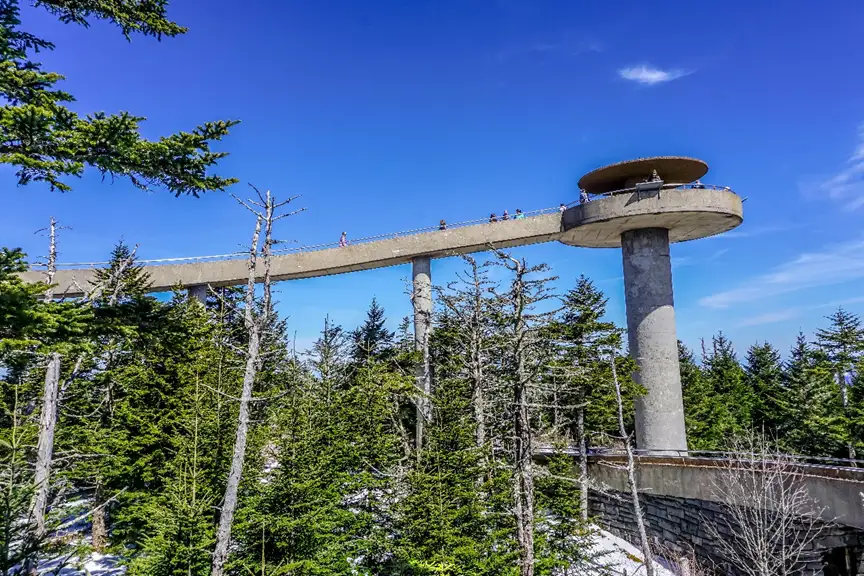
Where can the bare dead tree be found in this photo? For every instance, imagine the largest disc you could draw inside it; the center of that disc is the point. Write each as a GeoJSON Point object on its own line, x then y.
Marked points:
{"type": "Point", "coordinates": [465, 300]}
{"type": "Point", "coordinates": [45, 445]}
{"type": "Point", "coordinates": [770, 517]}
{"type": "Point", "coordinates": [631, 476]}
{"type": "Point", "coordinates": [522, 361]}
{"type": "Point", "coordinates": [51, 260]}
{"type": "Point", "coordinates": [423, 373]}
{"type": "Point", "coordinates": [50, 401]}
{"type": "Point", "coordinates": [255, 324]}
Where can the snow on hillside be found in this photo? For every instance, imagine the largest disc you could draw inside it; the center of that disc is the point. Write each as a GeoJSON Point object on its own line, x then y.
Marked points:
{"type": "Point", "coordinates": [618, 555]}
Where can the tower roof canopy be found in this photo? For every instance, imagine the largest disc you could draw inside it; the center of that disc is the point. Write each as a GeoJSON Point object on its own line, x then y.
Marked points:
{"type": "Point", "coordinates": [675, 169]}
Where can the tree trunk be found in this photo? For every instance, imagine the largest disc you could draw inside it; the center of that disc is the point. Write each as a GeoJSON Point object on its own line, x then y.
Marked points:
{"type": "Point", "coordinates": [223, 536]}
{"type": "Point", "coordinates": [99, 521]}
{"type": "Point", "coordinates": [45, 446]}
{"type": "Point", "coordinates": [524, 477]}
{"type": "Point", "coordinates": [255, 327]}
{"type": "Point", "coordinates": [229, 504]}
{"type": "Point", "coordinates": [583, 462]}
{"type": "Point", "coordinates": [631, 479]}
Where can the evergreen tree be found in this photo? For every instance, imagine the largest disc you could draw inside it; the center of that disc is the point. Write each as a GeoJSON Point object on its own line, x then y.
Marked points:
{"type": "Point", "coordinates": [763, 373]}
{"type": "Point", "coordinates": [726, 378]}
{"type": "Point", "coordinates": [705, 415]}
{"type": "Point", "coordinates": [446, 520]}
{"type": "Point", "coordinates": [46, 140]}
{"type": "Point", "coordinates": [582, 374]}
{"type": "Point", "coordinates": [842, 342]}
{"type": "Point", "coordinates": [179, 519]}
{"type": "Point", "coordinates": [372, 340]}
{"type": "Point", "coordinates": [814, 412]}
{"type": "Point", "coordinates": [843, 346]}
{"type": "Point", "coordinates": [122, 280]}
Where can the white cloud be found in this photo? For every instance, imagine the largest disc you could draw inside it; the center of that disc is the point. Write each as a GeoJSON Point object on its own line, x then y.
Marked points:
{"type": "Point", "coordinates": [647, 74]}
{"type": "Point", "coordinates": [770, 317]}
{"type": "Point", "coordinates": [750, 231]}
{"type": "Point", "coordinates": [847, 186]}
{"type": "Point", "coordinates": [832, 265]}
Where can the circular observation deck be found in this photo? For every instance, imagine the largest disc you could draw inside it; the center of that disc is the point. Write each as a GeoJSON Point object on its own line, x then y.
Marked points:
{"type": "Point", "coordinates": [628, 196]}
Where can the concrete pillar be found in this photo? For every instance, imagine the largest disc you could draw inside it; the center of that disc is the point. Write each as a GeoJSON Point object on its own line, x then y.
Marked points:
{"type": "Point", "coordinates": [422, 301]}
{"type": "Point", "coordinates": [652, 337]}
{"type": "Point", "coordinates": [199, 292]}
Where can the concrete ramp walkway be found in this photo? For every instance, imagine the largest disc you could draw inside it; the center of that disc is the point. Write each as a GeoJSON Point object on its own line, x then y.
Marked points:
{"type": "Point", "coordinates": [365, 256]}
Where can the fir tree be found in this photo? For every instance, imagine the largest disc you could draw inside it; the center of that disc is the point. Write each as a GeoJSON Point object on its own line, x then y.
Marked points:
{"type": "Point", "coordinates": [843, 346]}
{"type": "Point", "coordinates": [122, 280]}
{"type": "Point", "coordinates": [445, 520]}
{"type": "Point", "coordinates": [842, 342]}
{"type": "Point", "coordinates": [763, 373]}
{"type": "Point", "coordinates": [372, 340]}
{"type": "Point", "coordinates": [180, 519]}
{"type": "Point", "coordinates": [585, 340]}
{"type": "Point", "coordinates": [726, 377]}
{"type": "Point", "coordinates": [47, 141]}
{"type": "Point", "coordinates": [705, 415]}
{"type": "Point", "coordinates": [811, 403]}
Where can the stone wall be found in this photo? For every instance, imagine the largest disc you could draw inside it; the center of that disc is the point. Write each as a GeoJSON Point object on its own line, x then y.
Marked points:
{"type": "Point", "coordinates": [677, 526]}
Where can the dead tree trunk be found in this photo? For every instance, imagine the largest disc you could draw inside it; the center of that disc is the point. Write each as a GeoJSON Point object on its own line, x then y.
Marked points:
{"type": "Point", "coordinates": [523, 478]}
{"type": "Point", "coordinates": [99, 520]}
{"type": "Point", "coordinates": [476, 357]}
{"type": "Point", "coordinates": [256, 324]}
{"type": "Point", "coordinates": [229, 504]}
{"type": "Point", "coordinates": [51, 267]}
{"type": "Point", "coordinates": [631, 478]}
{"type": "Point", "coordinates": [583, 461]}
{"type": "Point", "coordinates": [48, 416]}
{"type": "Point", "coordinates": [45, 446]}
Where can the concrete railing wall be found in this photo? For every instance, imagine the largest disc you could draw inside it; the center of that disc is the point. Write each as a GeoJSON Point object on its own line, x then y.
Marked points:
{"type": "Point", "coordinates": [834, 491]}
{"type": "Point", "coordinates": [680, 499]}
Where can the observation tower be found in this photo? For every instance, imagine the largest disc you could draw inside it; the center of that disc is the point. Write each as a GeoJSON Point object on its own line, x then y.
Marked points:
{"type": "Point", "coordinates": [642, 206]}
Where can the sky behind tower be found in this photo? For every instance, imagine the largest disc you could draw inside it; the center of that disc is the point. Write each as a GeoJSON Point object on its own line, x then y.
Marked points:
{"type": "Point", "coordinates": [391, 115]}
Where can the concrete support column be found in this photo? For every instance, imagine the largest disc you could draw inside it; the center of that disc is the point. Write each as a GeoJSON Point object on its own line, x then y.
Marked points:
{"type": "Point", "coordinates": [199, 292]}
{"type": "Point", "coordinates": [652, 337]}
{"type": "Point", "coordinates": [422, 301]}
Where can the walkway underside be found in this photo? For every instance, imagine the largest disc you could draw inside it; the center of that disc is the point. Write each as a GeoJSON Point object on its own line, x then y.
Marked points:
{"type": "Point", "coordinates": [378, 254]}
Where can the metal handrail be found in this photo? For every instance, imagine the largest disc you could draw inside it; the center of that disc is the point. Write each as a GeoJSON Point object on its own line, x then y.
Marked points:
{"type": "Point", "coordinates": [664, 186]}
{"type": "Point", "coordinates": [299, 249]}
{"type": "Point", "coordinates": [366, 239]}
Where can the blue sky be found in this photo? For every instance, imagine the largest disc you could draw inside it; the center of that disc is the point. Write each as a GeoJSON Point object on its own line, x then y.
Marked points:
{"type": "Point", "coordinates": [390, 115]}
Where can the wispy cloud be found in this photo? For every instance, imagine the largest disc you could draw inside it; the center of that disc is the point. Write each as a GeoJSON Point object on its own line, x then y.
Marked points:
{"type": "Point", "coordinates": [565, 47]}
{"type": "Point", "coordinates": [647, 74]}
{"type": "Point", "coordinates": [832, 265]}
{"type": "Point", "coordinates": [790, 313]}
{"type": "Point", "coordinates": [681, 261]}
{"type": "Point", "coordinates": [847, 186]}
{"type": "Point", "coordinates": [844, 302]}
{"type": "Point", "coordinates": [770, 317]}
{"type": "Point", "coordinates": [751, 231]}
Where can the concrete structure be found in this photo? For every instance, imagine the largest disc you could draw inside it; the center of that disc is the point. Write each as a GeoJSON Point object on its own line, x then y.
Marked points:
{"type": "Point", "coordinates": [643, 214]}
{"type": "Point", "coordinates": [422, 301]}
{"type": "Point", "coordinates": [680, 499]}
{"type": "Point", "coordinates": [338, 260]}
{"type": "Point", "coordinates": [631, 208]}
{"type": "Point", "coordinates": [199, 292]}
{"type": "Point", "coordinates": [652, 338]}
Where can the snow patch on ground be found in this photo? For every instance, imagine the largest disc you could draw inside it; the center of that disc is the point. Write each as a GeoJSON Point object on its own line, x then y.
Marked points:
{"type": "Point", "coordinates": [622, 557]}
{"type": "Point", "coordinates": [619, 556]}
{"type": "Point", "coordinates": [93, 565]}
